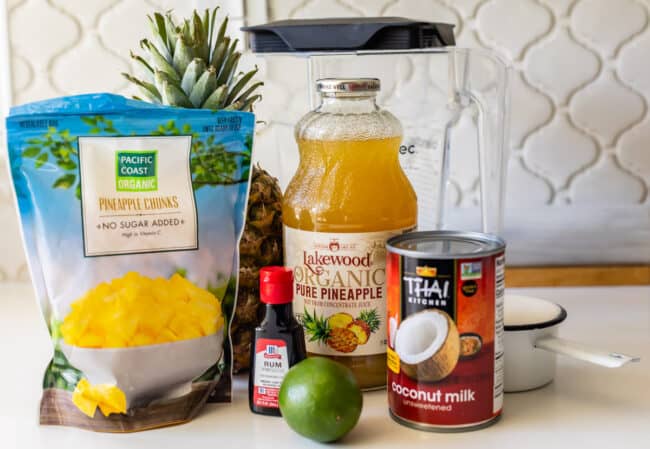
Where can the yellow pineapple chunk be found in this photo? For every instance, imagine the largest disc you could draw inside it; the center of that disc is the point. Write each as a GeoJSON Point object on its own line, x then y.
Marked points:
{"type": "Point", "coordinates": [142, 339]}
{"type": "Point", "coordinates": [115, 341]}
{"type": "Point", "coordinates": [361, 330]}
{"type": "Point", "coordinates": [83, 403]}
{"type": "Point", "coordinates": [109, 398]}
{"type": "Point", "coordinates": [339, 320]}
{"type": "Point", "coordinates": [90, 340]}
{"type": "Point", "coordinates": [167, 335]}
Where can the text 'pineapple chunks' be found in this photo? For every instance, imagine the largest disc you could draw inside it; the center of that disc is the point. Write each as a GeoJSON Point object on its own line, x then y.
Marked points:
{"type": "Point", "coordinates": [109, 398]}
{"type": "Point", "coordinates": [135, 310]}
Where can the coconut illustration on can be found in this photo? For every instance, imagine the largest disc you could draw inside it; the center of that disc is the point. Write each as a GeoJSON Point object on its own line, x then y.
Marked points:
{"type": "Point", "coordinates": [428, 345]}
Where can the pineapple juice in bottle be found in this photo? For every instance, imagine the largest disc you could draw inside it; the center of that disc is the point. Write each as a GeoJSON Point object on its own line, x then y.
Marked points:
{"type": "Point", "coordinates": [348, 196]}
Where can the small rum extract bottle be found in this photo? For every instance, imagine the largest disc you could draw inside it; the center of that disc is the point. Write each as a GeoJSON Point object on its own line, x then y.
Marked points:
{"type": "Point", "coordinates": [278, 344]}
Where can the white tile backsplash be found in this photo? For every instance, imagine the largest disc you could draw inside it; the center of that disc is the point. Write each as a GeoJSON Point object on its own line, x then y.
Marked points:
{"type": "Point", "coordinates": [606, 108]}
{"type": "Point", "coordinates": [606, 25]}
{"type": "Point", "coordinates": [513, 25]}
{"type": "Point", "coordinates": [559, 66]}
{"type": "Point", "coordinates": [558, 151]}
{"type": "Point", "coordinates": [633, 152]}
{"type": "Point", "coordinates": [580, 131]}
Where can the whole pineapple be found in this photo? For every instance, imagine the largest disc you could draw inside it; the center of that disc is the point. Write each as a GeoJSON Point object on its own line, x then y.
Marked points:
{"type": "Point", "coordinates": [261, 245]}
{"type": "Point", "coordinates": [193, 64]}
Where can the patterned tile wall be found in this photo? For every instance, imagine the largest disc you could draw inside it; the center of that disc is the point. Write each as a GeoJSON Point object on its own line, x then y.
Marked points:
{"type": "Point", "coordinates": [580, 136]}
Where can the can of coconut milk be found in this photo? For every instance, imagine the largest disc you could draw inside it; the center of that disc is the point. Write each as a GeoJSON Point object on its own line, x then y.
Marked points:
{"type": "Point", "coordinates": [445, 329]}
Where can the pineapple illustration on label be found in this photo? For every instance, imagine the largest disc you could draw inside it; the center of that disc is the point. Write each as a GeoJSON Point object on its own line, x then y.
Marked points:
{"type": "Point", "coordinates": [341, 331]}
{"type": "Point", "coordinates": [339, 290]}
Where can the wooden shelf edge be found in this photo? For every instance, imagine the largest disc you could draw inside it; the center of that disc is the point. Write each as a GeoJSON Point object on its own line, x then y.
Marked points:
{"type": "Point", "coordinates": [565, 276]}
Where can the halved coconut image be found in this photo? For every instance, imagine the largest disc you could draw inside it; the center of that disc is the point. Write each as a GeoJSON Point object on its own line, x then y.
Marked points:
{"type": "Point", "coordinates": [428, 345]}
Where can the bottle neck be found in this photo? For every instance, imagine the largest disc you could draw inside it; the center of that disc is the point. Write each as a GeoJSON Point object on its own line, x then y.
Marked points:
{"type": "Point", "coordinates": [348, 104]}
{"type": "Point", "coordinates": [282, 314]}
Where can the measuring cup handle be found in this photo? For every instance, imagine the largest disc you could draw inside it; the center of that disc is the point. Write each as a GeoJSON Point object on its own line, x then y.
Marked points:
{"type": "Point", "coordinates": [585, 353]}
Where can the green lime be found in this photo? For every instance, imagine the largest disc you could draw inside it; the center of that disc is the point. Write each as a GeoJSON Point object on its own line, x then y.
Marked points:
{"type": "Point", "coordinates": [320, 399]}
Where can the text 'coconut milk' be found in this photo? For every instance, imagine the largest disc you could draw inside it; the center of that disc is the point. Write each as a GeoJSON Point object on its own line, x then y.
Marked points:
{"type": "Point", "coordinates": [445, 329]}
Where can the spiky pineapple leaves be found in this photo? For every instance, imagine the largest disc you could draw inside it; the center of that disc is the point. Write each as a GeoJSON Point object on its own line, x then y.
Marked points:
{"type": "Point", "coordinates": [317, 329]}
{"type": "Point", "coordinates": [371, 318]}
{"type": "Point", "coordinates": [193, 65]}
{"type": "Point", "coordinates": [192, 74]}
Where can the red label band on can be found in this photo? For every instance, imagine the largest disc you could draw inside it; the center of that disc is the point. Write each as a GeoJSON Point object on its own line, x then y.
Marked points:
{"type": "Point", "coordinates": [445, 329]}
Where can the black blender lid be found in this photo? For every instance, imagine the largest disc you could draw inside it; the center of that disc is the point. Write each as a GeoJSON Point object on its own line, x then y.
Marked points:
{"type": "Point", "coordinates": [348, 34]}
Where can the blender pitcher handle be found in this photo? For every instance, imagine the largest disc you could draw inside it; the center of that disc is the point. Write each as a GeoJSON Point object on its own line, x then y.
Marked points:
{"type": "Point", "coordinates": [451, 114]}
{"type": "Point", "coordinates": [480, 80]}
{"type": "Point", "coordinates": [489, 222]}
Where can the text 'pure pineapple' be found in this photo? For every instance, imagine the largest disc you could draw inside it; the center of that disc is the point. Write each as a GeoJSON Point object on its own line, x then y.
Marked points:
{"type": "Point", "coordinates": [135, 310]}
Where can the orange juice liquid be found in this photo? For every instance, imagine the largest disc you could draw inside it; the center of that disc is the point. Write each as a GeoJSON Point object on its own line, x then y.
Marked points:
{"type": "Point", "coordinates": [346, 198]}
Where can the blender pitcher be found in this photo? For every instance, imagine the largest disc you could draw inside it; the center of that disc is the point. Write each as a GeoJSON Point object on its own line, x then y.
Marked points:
{"type": "Point", "coordinates": [452, 103]}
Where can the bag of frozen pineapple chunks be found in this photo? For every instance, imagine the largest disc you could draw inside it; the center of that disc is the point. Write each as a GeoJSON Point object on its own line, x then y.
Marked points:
{"type": "Point", "coordinates": [131, 215]}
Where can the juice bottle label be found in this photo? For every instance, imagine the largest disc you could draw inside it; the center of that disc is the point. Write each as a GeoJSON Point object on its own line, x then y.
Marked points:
{"type": "Point", "coordinates": [339, 289]}
{"type": "Point", "coordinates": [271, 365]}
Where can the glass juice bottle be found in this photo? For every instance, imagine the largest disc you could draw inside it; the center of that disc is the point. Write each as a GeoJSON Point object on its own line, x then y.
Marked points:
{"type": "Point", "coordinates": [348, 196]}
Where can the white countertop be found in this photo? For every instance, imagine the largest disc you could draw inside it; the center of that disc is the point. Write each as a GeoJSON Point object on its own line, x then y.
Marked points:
{"type": "Point", "coordinates": [587, 407]}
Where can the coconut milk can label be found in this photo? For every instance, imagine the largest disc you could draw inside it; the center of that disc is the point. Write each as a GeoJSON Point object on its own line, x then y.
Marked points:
{"type": "Point", "coordinates": [137, 195]}
{"type": "Point", "coordinates": [272, 362]}
{"type": "Point", "coordinates": [445, 328]}
{"type": "Point", "coordinates": [340, 289]}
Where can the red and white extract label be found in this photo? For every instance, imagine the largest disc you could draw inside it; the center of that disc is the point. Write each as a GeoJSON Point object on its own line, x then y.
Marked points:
{"type": "Point", "coordinates": [271, 365]}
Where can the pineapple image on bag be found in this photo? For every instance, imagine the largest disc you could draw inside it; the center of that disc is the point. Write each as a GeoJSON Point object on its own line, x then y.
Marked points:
{"type": "Point", "coordinates": [123, 333]}
{"type": "Point", "coordinates": [341, 331]}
